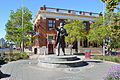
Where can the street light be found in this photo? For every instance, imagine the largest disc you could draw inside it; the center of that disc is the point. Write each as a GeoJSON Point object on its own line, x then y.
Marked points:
{"type": "Point", "coordinates": [104, 40]}
{"type": "Point", "coordinates": [22, 27]}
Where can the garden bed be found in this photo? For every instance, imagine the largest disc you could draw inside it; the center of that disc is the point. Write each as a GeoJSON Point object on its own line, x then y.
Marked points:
{"type": "Point", "coordinates": [13, 57]}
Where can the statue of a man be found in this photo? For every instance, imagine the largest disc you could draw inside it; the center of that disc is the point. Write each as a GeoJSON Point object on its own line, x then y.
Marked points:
{"type": "Point", "coordinates": [60, 43]}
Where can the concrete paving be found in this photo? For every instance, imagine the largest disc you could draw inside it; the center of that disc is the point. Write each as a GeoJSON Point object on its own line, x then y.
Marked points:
{"type": "Point", "coordinates": [28, 70]}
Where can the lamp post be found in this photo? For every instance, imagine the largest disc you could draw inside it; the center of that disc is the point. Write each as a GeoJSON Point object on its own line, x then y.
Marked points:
{"type": "Point", "coordinates": [22, 27]}
{"type": "Point", "coordinates": [104, 40]}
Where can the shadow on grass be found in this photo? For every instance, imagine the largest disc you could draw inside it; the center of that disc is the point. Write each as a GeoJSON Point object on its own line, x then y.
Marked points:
{"type": "Point", "coordinates": [78, 53]}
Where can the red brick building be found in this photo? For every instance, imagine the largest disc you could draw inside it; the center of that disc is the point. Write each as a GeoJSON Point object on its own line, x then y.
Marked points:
{"type": "Point", "coordinates": [47, 18]}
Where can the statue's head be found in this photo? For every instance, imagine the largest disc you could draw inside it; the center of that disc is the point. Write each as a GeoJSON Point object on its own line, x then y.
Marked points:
{"type": "Point", "coordinates": [62, 23]}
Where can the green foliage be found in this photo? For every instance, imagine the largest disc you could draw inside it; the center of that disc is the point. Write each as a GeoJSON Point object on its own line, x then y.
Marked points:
{"type": "Point", "coordinates": [110, 5]}
{"type": "Point", "coordinates": [14, 29]}
{"type": "Point", "coordinates": [97, 30]}
{"type": "Point", "coordinates": [108, 58]}
{"type": "Point", "coordinates": [13, 57]}
{"type": "Point", "coordinates": [2, 58]}
{"type": "Point", "coordinates": [75, 30]}
{"type": "Point", "coordinates": [114, 24]}
{"type": "Point", "coordinates": [24, 55]}
{"type": "Point", "coordinates": [16, 56]}
{"type": "Point", "coordinates": [112, 20]}
{"type": "Point", "coordinates": [104, 27]}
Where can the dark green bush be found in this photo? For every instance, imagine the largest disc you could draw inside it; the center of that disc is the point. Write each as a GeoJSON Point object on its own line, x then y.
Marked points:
{"type": "Point", "coordinates": [2, 60]}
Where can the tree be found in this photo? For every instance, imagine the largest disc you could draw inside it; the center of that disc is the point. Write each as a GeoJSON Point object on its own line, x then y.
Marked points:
{"type": "Point", "coordinates": [14, 29]}
{"type": "Point", "coordinates": [111, 5]}
{"type": "Point", "coordinates": [76, 31]}
{"type": "Point", "coordinates": [100, 29]}
{"type": "Point", "coordinates": [115, 25]}
{"type": "Point", "coordinates": [105, 29]}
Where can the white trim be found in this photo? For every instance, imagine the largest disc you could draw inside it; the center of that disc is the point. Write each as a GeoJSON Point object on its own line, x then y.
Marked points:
{"type": "Point", "coordinates": [57, 18]}
{"type": "Point", "coordinates": [65, 17]}
{"type": "Point", "coordinates": [44, 17]}
{"type": "Point", "coordinates": [38, 17]}
{"type": "Point", "coordinates": [60, 16]}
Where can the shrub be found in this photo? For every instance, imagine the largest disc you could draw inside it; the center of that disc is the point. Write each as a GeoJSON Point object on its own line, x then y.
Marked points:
{"type": "Point", "coordinates": [113, 73]}
{"type": "Point", "coordinates": [2, 60]}
{"type": "Point", "coordinates": [24, 55]}
{"type": "Point", "coordinates": [21, 55]}
{"type": "Point", "coordinates": [13, 57]}
{"type": "Point", "coordinates": [16, 56]}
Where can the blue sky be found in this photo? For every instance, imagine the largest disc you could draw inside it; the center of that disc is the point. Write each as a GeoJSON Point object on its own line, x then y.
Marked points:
{"type": "Point", "coordinates": [34, 5]}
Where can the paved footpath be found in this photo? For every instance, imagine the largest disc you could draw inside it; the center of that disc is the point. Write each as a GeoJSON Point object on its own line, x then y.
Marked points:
{"type": "Point", "coordinates": [28, 70]}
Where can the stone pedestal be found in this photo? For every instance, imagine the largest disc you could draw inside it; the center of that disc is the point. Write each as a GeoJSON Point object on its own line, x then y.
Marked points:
{"type": "Point", "coordinates": [53, 61]}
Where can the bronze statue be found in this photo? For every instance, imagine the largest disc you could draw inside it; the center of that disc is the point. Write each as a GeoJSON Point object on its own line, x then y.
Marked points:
{"type": "Point", "coordinates": [60, 43]}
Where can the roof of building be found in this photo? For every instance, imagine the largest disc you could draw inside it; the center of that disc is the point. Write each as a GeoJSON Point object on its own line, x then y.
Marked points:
{"type": "Point", "coordinates": [59, 13]}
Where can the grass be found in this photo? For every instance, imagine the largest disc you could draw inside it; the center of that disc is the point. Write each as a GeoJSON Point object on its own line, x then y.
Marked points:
{"type": "Point", "coordinates": [108, 58]}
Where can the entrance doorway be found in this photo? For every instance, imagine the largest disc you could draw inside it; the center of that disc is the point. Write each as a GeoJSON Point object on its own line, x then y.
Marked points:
{"type": "Point", "coordinates": [75, 46]}
{"type": "Point", "coordinates": [85, 43]}
{"type": "Point", "coordinates": [35, 50]}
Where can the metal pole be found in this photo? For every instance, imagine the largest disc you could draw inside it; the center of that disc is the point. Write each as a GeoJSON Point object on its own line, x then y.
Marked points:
{"type": "Point", "coordinates": [22, 27]}
{"type": "Point", "coordinates": [103, 25]}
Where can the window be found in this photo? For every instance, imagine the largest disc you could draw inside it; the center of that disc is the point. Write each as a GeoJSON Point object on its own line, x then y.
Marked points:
{"type": "Point", "coordinates": [50, 37]}
{"type": "Point", "coordinates": [85, 25]}
{"type": "Point", "coordinates": [51, 23]}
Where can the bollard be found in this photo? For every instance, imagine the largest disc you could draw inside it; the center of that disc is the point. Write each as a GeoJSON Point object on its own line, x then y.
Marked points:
{"type": "Point", "coordinates": [87, 54]}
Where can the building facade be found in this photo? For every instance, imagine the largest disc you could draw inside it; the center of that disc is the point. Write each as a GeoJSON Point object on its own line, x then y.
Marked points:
{"type": "Point", "coordinates": [48, 18]}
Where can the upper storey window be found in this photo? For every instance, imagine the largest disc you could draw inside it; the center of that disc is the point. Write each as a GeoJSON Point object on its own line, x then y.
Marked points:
{"type": "Point", "coordinates": [86, 24]}
{"type": "Point", "coordinates": [51, 23]}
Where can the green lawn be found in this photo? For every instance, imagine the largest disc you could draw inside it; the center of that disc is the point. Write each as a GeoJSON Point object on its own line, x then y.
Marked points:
{"type": "Point", "coordinates": [108, 58]}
